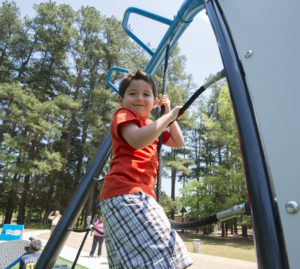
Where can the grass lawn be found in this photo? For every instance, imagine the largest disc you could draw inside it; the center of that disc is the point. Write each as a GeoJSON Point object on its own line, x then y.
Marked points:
{"type": "Point", "coordinates": [235, 247]}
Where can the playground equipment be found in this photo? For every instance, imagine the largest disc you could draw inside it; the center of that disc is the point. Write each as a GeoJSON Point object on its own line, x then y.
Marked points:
{"type": "Point", "coordinates": [259, 46]}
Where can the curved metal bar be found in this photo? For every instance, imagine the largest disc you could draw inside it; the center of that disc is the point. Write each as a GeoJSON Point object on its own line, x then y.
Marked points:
{"type": "Point", "coordinates": [185, 15]}
{"type": "Point", "coordinates": [189, 10]}
{"type": "Point", "coordinates": [145, 14]}
{"type": "Point", "coordinates": [109, 74]}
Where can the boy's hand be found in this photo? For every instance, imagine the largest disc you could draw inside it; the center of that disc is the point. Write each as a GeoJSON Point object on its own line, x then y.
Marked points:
{"type": "Point", "coordinates": [174, 112]}
{"type": "Point", "coordinates": [165, 101]}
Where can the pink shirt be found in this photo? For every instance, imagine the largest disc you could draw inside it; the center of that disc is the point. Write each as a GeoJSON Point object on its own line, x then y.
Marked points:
{"type": "Point", "coordinates": [99, 226]}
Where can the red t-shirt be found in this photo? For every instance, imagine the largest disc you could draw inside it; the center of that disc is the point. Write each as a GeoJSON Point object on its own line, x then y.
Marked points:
{"type": "Point", "coordinates": [131, 170]}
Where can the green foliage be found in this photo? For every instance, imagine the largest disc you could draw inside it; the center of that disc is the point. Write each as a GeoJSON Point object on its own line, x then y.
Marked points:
{"type": "Point", "coordinates": [169, 205]}
{"type": "Point", "coordinates": [220, 180]}
{"type": "Point", "coordinates": [55, 104]}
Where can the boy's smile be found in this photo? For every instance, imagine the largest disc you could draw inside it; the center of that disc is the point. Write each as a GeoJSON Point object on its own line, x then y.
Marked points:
{"type": "Point", "coordinates": [139, 98]}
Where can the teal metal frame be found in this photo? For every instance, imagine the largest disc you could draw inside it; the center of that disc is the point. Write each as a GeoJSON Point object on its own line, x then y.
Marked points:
{"type": "Point", "coordinates": [177, 26]}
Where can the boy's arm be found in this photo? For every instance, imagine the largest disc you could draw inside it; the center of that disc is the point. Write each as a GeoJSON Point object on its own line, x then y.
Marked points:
{"type": "Point", "coordinates": [142, 137]}
{"type": "Point", "coordinates": [176, 139]}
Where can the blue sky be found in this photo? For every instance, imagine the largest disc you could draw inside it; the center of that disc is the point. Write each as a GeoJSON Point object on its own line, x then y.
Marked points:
{"type": "Point", "coordinates": [197, 43]}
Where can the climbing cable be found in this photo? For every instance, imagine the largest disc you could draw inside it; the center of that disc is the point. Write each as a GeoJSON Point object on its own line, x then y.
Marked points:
{"type": "Point", "coordinates": [210, 82]}
{"type": "Point", "coordinates": [162, 111]}
{"type": "Point", "coordinates": [196, 94]}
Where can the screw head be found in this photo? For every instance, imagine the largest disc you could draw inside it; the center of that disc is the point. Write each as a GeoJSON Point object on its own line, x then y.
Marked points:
{"type": "Point", "coordinates": [248, 54]}
{"type": "Point", "coordinates": [292, 207]}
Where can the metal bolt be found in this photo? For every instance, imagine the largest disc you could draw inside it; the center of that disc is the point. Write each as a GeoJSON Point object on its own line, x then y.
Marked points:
{"type": "Point", "coordinates": [292, 207]}
{"type": "Point", "coordinates": [248, 54]}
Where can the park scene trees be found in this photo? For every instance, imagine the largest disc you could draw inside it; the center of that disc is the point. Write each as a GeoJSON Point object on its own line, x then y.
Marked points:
{"type": "Point", "coordinates": [55, 109]}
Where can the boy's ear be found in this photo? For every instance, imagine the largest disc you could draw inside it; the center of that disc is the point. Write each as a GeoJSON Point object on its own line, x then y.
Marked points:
{"type": "Point", "coordinates": [120, 100]}
{"type": "Point", "coordinates": [156, 102]}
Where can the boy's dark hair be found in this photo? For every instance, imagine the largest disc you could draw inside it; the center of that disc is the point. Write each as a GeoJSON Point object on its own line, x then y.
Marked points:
{"type": "Point", "coordinates": [138, 74]}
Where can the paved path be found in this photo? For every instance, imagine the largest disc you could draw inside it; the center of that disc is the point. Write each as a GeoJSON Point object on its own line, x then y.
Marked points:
{"type": "Point", "coordinates": [201, 261]}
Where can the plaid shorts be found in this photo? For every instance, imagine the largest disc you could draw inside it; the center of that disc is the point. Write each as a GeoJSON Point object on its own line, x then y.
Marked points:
{"type": "Point", "coordinates": [138, 234]}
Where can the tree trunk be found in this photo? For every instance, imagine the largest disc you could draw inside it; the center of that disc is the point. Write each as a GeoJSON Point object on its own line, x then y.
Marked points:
{"type": "Point", "coordinates": [29, 216]}
{"type": "Point", "coordinates": [244, 231]}
{"type": "Point", "coordinates": [235, 226]}
{"type": "Point", "coordinates": [11, 200]}
{"type": "Point", "coordinates": [206, 229]}
{"type": "Point", "coordinates": [226, 229]}
{"type": "Point", "coordinates": [173, 179]}
{"type": "Point", "coordinates": [223, 228]}
{"type": "Point", "coordinates": [9, 207]}
{"type": "Point", "coordinates": [23, 200]}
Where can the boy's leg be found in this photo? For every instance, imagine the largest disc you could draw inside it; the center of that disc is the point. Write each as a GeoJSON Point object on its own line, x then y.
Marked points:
{"type": "Point", "coordinates": [141, 233]}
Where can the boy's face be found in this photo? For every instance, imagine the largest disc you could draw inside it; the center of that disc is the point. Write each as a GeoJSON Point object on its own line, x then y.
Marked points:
{"type": "Point", "coordinates": [139, 98]}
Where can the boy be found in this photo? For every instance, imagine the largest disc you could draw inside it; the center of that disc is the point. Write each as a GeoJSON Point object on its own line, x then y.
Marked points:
{"type": "Point", "coordinates": [30, 259]}
{"type": "Point", "coordinates": [137, 231]}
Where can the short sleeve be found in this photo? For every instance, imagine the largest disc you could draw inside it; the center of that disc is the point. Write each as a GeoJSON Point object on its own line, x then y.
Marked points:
{"type": "Point", "coordinates": [166, 136]}
{"type": "Point", "coordinates": [121, 117]}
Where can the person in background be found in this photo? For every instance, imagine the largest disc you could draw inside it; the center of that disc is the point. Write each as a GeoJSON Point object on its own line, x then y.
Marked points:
{"type": "Point", "coordinates": [54, 219]}
{"type": "Point", "coordinates": [98, 238]}
{"type": "Point", "coordinates": [31, 257]}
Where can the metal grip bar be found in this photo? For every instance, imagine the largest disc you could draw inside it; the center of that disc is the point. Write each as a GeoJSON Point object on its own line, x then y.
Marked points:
{"type": "Point", "coordinates": [213, 80]}
{"type": "Point", "coordinates": [193, 224]}
{"type": "Point", "coordinates": [145, 14]}
{"type": "Point", "coordinates": [109, 74]}
{"type": "Point", "coordinates": [196, 94]}
{"type": "Point", "coordinates": [234, 211]}
{"type": "Point", "coordinates": [221, 216]}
